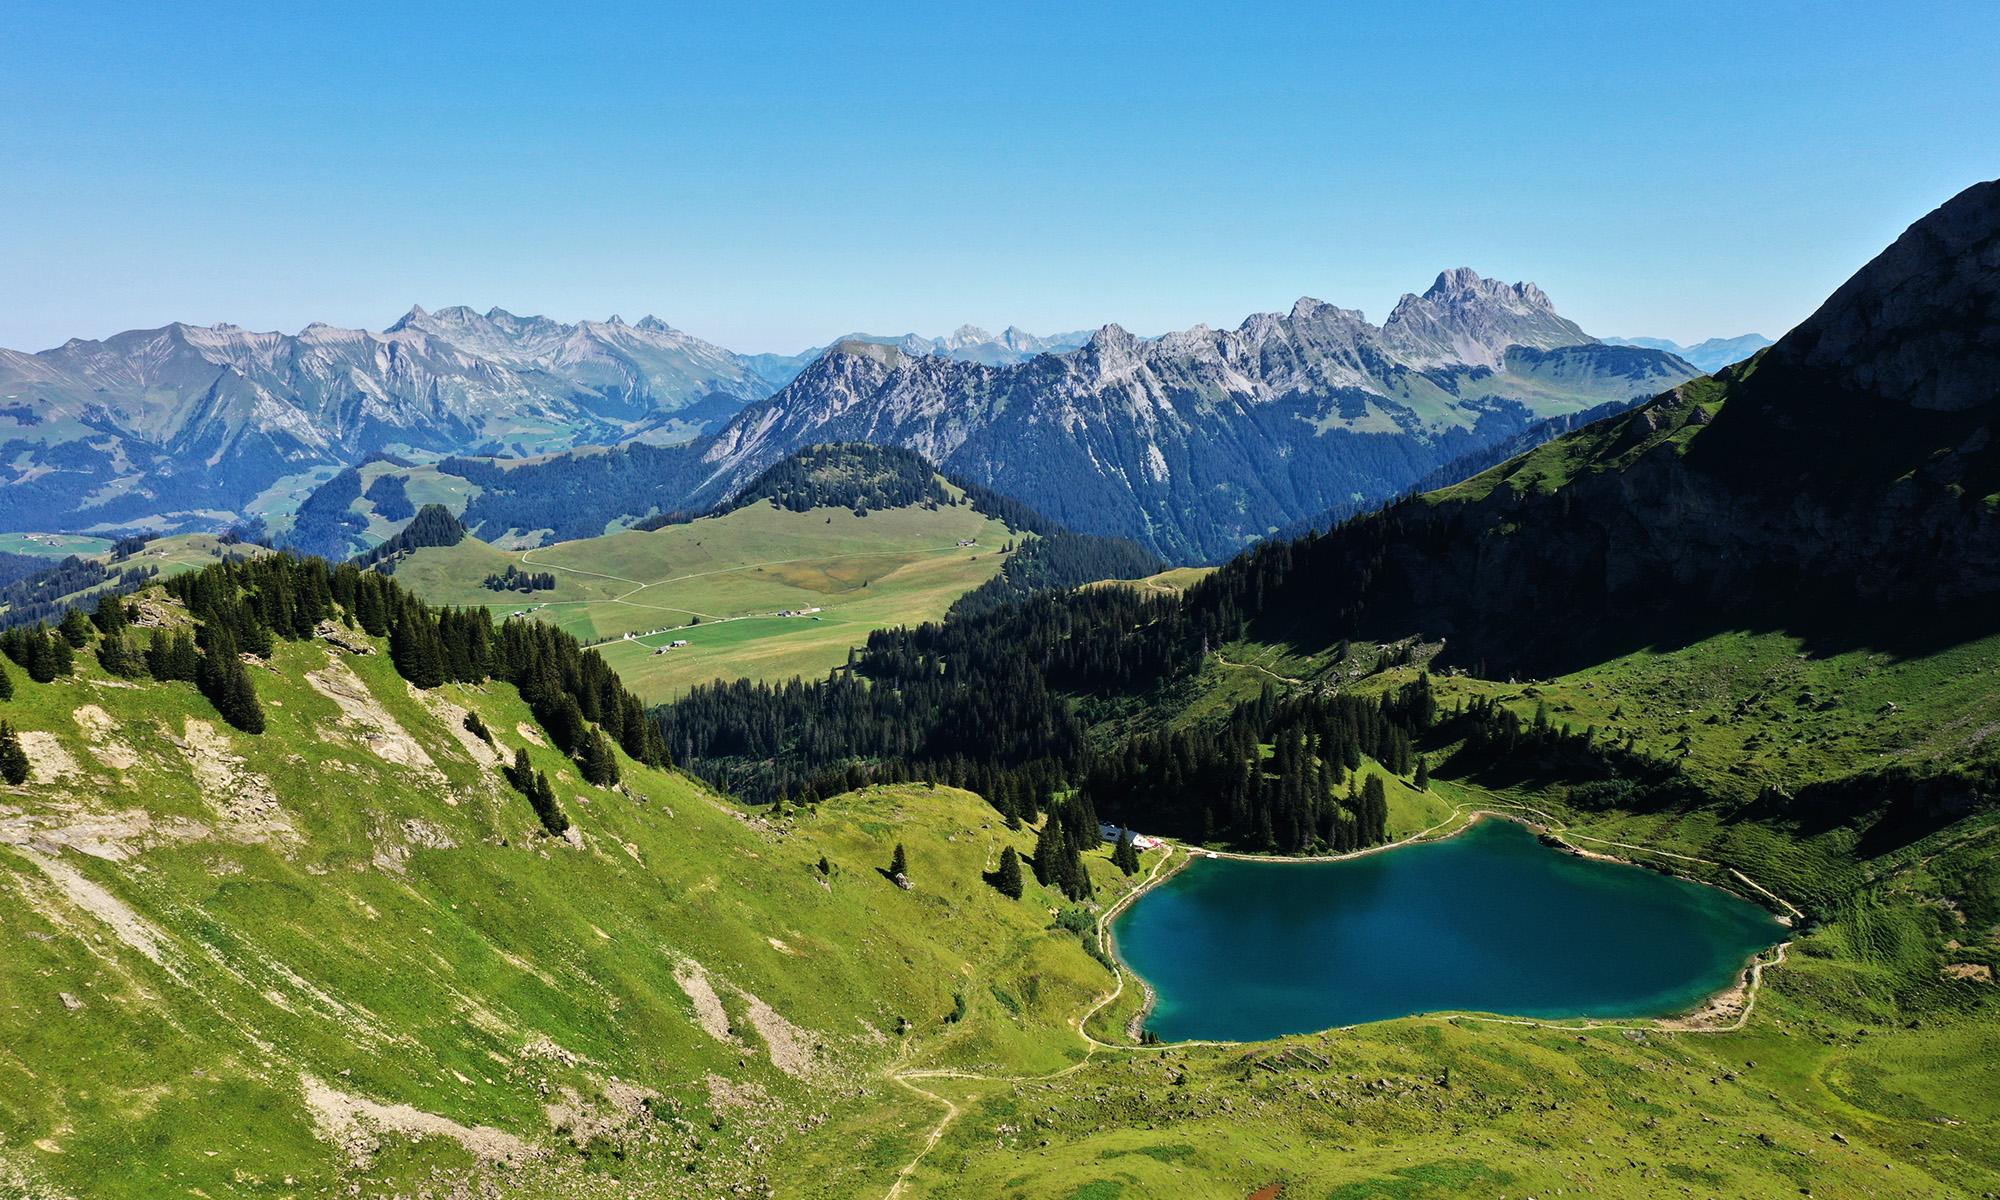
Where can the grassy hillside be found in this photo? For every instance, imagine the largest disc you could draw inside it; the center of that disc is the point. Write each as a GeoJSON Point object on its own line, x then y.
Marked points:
{"type": "Point", "coordinates": [224, 974]}
{"type": "Point", "coordinates": [719, 582]}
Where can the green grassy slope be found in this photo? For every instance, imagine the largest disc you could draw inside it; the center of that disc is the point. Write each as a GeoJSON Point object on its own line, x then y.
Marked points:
{"type": "Point", "coordinates": [341, 954]}
{"type": "Point", "coordinates": [232, 960]}
{"type": "Point", "coordinates": [719, 581]}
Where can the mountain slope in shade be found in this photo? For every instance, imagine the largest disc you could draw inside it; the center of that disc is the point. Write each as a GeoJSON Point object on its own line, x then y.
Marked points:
{"type": "Point", "coordinates": [1710, 354]}
{"type": "Point", "coordinates": [1846, 478]}
{"type": "Point", "coordinates": [187, 423]}
{"type": "Point", "coordinates": [1200, 441]}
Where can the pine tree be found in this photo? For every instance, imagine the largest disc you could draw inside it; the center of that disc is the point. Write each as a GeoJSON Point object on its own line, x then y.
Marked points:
{"type": "Point", "coordinates": [6, 685]}
{"type": "Point", "coordinates": [544, 799]}
{"type": "Point", "coordinates": [223, 679]}
{"type": "Point", "coordinates": [1423, 780]}
{"type": "Point", "coordinates": [600, 763]}
{"type": "Point", "coordinates": [1049, 853]}
{"type": "Point", "coordinates": [109, 615]}
{"type": "Point", "coordinates": [75, 628]}
{"type": "Point", "coordinates": [899, 864]}
{"type": "Point", "coordinates": [13, 759]}
{"type": "Point", "coordinates": [1008, 878]}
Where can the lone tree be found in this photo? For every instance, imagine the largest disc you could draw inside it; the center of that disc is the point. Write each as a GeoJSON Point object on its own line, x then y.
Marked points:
{"type": "Point", "coordinates": [899, 864]}
{"type": "Point", "coordinates": [1008, 877]}
{"type": "Point", "coordinates": [13, 759]}
{"type": "Point", "coordinates": [1423, 780]}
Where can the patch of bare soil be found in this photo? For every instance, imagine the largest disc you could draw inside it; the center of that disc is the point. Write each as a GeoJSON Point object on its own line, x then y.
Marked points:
{"type": "Point", "coordinates": [356, 1124]}
{"type": "Point", "coordinates": [617, 1107]}
{"type": "Point", "coordinates": [247, 804]}
{"type": "Point", "coordinates": [791, 1048]}
{"type": "Point", "coordinates": [453, 717]}
{"type": "Point", "coordinates": [112, 836]}
{"type": "Point", "coordinates": [360, 711]}
{"type": "Point", "coordinates": [48, 760]}
{"type": "Point", "coordinates": [86, 894]}
{"type": "Point", "coordinates": [708, 1010]}
{"type": "Point", "coordinates": [101, 732]}
{"type": "Point", "coordinates": [1977, 972]}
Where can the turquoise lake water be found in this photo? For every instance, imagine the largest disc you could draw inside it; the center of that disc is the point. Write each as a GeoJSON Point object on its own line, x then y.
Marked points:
{"type": "Point", "coordinates": [1488, 921]}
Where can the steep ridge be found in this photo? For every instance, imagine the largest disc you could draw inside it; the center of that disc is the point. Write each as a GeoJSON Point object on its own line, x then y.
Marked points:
{"type": "Point", "coordinates": [1847, 471]}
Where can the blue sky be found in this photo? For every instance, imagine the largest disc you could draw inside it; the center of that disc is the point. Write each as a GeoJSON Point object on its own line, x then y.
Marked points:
{"type": "Point", "coordinates": [770, 176]}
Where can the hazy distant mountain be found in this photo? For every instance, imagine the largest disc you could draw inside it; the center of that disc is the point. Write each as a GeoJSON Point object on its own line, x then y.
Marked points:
{"type": "Point", "coordinates": [1200, 441]}
{"type": "Point", "coordinates": [967, 343]}
{"type": "Point", "coordinates": [186, 424]}
{"type": "Point", "coordinates": [1710, 355]}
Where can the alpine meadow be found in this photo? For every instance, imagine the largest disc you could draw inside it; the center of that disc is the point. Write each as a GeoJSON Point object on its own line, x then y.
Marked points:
{"type": "Point", "coordinates": [1217, 746]}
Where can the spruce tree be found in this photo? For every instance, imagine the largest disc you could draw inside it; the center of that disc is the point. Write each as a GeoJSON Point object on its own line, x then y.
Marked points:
{"type": "Point", "coordinates": [1008, 878]}
{"type": "Point", "coordinates": [600, 763]}
{"type": "Point", "coordinates": [899, 864]}
{"type": "Point", "coordinates": [543, 797]}
{"type": "Point", "coordinates": [13, 759]}
{"type": "Point", "coordinates": [1049, 853]}
{"type": "Point", "coordinates": [75, 628]}
{"type": "Point", "coordinates": [1423, 780]}
{"type": "Point", "coordinates": [6, 685]}
{"type": "Point", "coordinates": [109, 615]}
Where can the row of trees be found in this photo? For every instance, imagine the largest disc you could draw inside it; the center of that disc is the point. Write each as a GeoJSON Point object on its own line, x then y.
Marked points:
{"type": "Point", "coordinates": [514, 579]}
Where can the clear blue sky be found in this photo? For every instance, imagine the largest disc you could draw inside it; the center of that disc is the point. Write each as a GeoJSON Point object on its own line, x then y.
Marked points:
{"type": "Point", "coordinates": [769, 176]}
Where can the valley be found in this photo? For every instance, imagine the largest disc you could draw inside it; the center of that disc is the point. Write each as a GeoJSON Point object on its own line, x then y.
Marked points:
{"type": "Point", "coordinates": [720, 583]}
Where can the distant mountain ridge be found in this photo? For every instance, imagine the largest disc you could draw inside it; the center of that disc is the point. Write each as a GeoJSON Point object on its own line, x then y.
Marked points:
{"type": "Point", "coordinates": [1710, 354]}
{"type": "Point", "coordinates": [184, 424]}
{"type": "Point", "coordinates": [967, 343]}
{"type": "Point", "coordinates": [1201, 441]}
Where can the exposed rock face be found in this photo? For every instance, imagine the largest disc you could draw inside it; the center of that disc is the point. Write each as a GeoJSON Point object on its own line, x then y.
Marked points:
{"type": "Point", "coordinates": [1921, 324]}
{"type": "Point", "coordinates": [1464, 318]}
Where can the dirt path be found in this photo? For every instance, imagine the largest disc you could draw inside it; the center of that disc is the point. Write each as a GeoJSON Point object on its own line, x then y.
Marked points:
{"type": "Point", "coordinates": [1260, 670]}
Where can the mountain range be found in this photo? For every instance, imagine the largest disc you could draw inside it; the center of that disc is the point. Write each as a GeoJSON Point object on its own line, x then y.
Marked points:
{"type": "Point", "coordinates": [190, 426]}
{"type": "Point", "coordinates": [1199, 442]}
{"type": "Point", "coordinates": [1710, 354]}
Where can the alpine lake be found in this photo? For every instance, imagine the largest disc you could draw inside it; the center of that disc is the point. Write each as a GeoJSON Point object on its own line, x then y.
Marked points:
{"type": "Point", "coordinates": [1487, 921]}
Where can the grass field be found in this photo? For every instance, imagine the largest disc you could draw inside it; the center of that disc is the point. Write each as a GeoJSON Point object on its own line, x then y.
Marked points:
{"type": "Point", "coordinates": [719, 582]}
{"type": "Point", "coordinates": [1172, 581]}
{"type": "Point", "coordinates": [55, 546]}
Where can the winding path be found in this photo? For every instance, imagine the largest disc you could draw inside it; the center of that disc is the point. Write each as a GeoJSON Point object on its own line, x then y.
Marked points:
{"type": "Point", "coordinates": [1751, 983]}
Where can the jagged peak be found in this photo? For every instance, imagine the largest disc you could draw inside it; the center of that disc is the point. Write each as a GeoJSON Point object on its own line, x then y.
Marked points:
{"type": "Point", "coordinates": [410, 320]}
{"type": "Point", "coordinates": [1462, 282]}
{"type": "Point", "coordinates": [1112, 335]}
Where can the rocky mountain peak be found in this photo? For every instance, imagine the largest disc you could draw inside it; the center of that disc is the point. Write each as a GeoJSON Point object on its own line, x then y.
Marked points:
{"type": "Point", "coordinates": [1920, 324]}
{"type": "Point", "coordinates": [1466, 317]}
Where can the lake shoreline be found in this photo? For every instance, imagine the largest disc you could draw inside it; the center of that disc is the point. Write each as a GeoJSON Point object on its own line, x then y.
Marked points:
{"type": "Point", "coordinates": [1725, 1010]}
